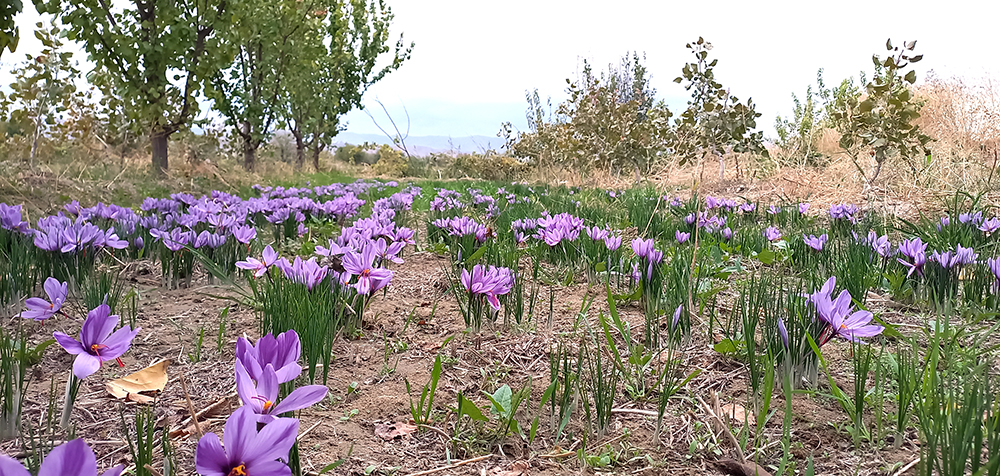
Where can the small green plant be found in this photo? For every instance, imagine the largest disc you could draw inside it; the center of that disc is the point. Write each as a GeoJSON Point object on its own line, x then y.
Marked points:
{"type": "Point", "coordinates": [195, 356]}
{"type": "Point", "coordinates": [421, 409]}
{"type": "Point", "coordinates": [142, 442]}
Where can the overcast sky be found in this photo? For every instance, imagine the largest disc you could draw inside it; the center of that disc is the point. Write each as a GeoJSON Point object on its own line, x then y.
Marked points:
{"type": "Point", "coordinates": [474, 59]}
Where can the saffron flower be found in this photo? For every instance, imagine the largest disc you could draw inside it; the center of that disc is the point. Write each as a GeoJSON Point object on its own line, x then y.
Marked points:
{"type": "Point", "coordinates": [263, 396]}
{"type": "Point", "coordinates": [40, 309]}
{"type": "Point", "coordinates": [803, 208]}
{"type": "Point", "coordinates": [994, 265]}
{"type": "Point", "coordinates": [642, 247]}
{"type": "Point", "coordinates": [841, 322]}
{"type": "Point", "coordinates": [916, 251]}
{"type": "Point", "coordinates": [727, 233]}
{"type": "Point", "coordinates": [97, 344]}
{"type": "Point", "coordinates": [677, 317]}
{"type": "Point", "coordinates": [259, 268]}
{"type": "Point", "coordinates": [491, 282]}
{"type": "Point", "coordinates": [783, 332]}
{"type": "Point", "coordinates": [681, 236]}
{"type": "Point", "coordinates": [247, 451]}
{"type": "Point", "coordinates": [772, 233]}
{"type": "Point", "coordinates": [72, 458]}
{"type": "Point", "coordinates": [370, 278]}
{"type": "Point", "coordinates": [281, 353]}
{"type": "Point", "coordinates": [815, 242]}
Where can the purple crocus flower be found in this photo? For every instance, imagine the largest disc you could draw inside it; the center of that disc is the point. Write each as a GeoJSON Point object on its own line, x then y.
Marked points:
{"type": "Point", "coordinates": [642, 247]}
{"type": "Point", "coordinates": [370, 278]}
{"type": "Point", "coordinates": [727, 233]}
{"type": "Point", "coordinates": [40, 309]}
{"type": "Point", "coordinates": [72, 458]}
{"type": "Point", "coordinates": [263, 396]}
{"type": "Point", "coordinates": [837, 314]}
{"type": "Point", "coordinates": [388, 252]}
{"type": "Point", "coordinates": [945, 221]}
{"type": "Point", "coordinates": [772, 233]}
{"type": "Point", "coordinates": [803, 208]}
{"type": "Point", "coordinates": [914, 250]}
{"type": "Point", "coordinates": [965, 256]}
{"type": "Point", "coordinates": [994, 265]}
{"type": "Point", "coordinates": [244, 234]}
{"type": "Point", "coordinates": [491, 282]}
{"type": "Point", "coordinates": [681, 236]}
{"type": "Point", "coordinates": [613, 242]}
{"type": "Point", "coordinates": [783, 332]}
{"type": "Point", "coordinates": [815, 242]}
{"type": "Point", "coordinates": [748, 207]}
{"type": "Point", "coordinates": [247, 451]}
{"type": "Point", "coordinates": [281, 353]}
{"type": "Point", "coordinates": [773, 210]}
{"type": "Point", "coordinates": [259, 267]}
{"type": "Point", "coordinates": [677, 317]}
{"type": "Point", "coordinates": [97, 344]}
{"type": "Point", "coordinates": [880, 244]}
{"type": "Point", "coordinates": [596, 233]}
{"type": "Point", "coordinates": [973, 219]}
{"type": "Point", "coordinates": [690, 219]}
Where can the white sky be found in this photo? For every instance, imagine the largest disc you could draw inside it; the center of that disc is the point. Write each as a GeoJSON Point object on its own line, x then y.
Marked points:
{"type": "Point", "coordinates": [474, 59]}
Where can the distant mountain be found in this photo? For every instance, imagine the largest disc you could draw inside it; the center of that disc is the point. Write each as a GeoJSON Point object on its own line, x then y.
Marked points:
{"type": "Point", "coordinates": [424, 145]}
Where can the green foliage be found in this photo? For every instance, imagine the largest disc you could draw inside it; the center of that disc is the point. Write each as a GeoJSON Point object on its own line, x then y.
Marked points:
{"type": "Point", "coordinates": [9, 33]}
{"type": "Point", "coordinates": [811, 115]}
{"type": "Point", "coordinates": [335, 63]}
{"type": "Point", "coordinates": [715, 122]}
{"type": "Point", "coordinates": [43, 91]}
{"type": "Point", "coordinates": [610, 121]}
{"type": "Point", "coordinates": [155, 56]}
{"type": "Point", "coordinates": [882, 123]}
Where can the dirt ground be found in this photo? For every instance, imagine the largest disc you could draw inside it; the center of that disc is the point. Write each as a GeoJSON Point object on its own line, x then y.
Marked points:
{"type": "Point", "coordinates": [389, 352]}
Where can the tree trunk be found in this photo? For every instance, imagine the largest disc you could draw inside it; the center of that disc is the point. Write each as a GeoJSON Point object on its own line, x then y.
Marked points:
{"type": "Point", "coordinates": [300, 150]}
{"type": "Point", "coordinates": [316, 151]}
{"type": "Point", "coordinates": [249, 151]}
{"type": "Point", "coordinates": [249, 156]}
{"type": "Point", "coordinates": [158, 144]}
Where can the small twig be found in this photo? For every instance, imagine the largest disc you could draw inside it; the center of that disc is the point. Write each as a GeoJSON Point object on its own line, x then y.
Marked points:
{"type": "Point", "coordinates": [907, 467]}
{"type": "Point", "coordinates": [187, 397]}
{"type": "Point", "coordinates": [451, 466]}
{"type": "Point", "coordinates": [722, 425]}
{"type": "Point", "coordinates": [635, 411]}
{"type": "Point", "coordinates": [435, 430]}
{"type": "Point", "coordinates": [304, 433]}
{"type": "Point", "coordinates": [152, 471]}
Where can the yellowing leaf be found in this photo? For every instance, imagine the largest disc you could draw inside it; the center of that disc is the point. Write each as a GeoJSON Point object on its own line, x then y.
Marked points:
{"type": "Point", "coordinates": [149, 379]}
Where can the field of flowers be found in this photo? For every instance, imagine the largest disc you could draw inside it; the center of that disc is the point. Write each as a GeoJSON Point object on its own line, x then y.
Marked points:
{"type": "Point", "coordinates": [455, 328]}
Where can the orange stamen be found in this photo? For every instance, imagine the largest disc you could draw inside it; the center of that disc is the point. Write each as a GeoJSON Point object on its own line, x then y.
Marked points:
{"type": "Point", "coordinates": [240, 470]}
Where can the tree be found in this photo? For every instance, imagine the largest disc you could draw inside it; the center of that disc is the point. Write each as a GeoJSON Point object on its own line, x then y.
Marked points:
{"type": "Point", "coordinates": [9, 33]}
{"type": "Point", "coordinates": [158, 55]}
{"type": "Point", "coordinates": [43, 88]}
{"type": "Point", "coordinates": [610, 121]}
{"type": "Point", "coordinates": [338, 62]}
{"type": "Point", "coordinates": [266, 35]}
{"type": "Point", "coordinates": [715, 122]}
{"type": "Point", "coordinates": [883, 121]}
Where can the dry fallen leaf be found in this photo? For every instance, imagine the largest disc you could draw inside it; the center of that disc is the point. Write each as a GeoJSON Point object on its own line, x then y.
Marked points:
{"type": "Point", "coordinates": [735, 468]}
{"type": "Point", "coordinates": [149, 379]}
{"type": "Point", "coordinates": [389, 431]}
{"type": "Point", "coordinates": [517, 468]}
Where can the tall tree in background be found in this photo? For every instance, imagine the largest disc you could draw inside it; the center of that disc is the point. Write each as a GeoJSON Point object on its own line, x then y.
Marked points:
{"type": "Point", "coordinates": [267, 36]}
{"type": "Point", "coordinates": [337, 63]}
{"type": "Point", "coordinates": [160, 53]}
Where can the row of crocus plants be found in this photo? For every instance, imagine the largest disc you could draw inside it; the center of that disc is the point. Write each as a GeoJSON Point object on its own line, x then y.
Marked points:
{"type": "Point", "coordinates": [311, 260]}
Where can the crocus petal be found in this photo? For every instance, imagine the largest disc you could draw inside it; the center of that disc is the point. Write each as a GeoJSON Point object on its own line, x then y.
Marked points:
{"type": "Point", "coordinates": [116, 471]}
{"type": "Point", "coordinates": [97, 326]}
{"type": "Point", "coordinates": [118, 343]}
{"type": "Point", "coordinates": [245, 388]}
{"type": "Point", "coordinates": [70, 344]}
{"type": "Point", "coordinates": [10, 467]}
{"type": "Point", "coordinates": [210, 459]}
{"type": "Point", "coordinates": [267, 384]}
{"type": "Point", "coordinates": [86, 365]}
{"type": "Point", "coordinates": [273, 442]}
{"type": "Point", "coordinates": [300, 398]}
{"type": "Point", "coordinates": [73, 458]}
{"type": "Point", "coordinates": [494, 302]}
{"type": "Point", "coordinates": [37, 304]}
{"type": "Point", "coordinates": [241, 428]}
{"type": "Point", "coordinates": [271, 468]}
